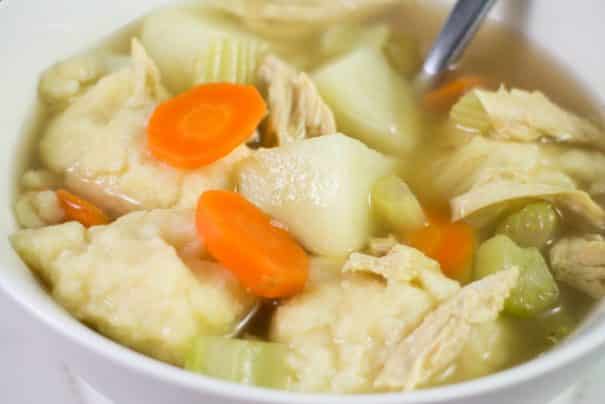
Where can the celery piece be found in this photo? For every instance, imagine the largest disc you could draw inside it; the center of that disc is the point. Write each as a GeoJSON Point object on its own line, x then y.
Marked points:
{"type": "Point", "coordinates": [254, 363]}
{"type": "Point", "coordinates": [536, 290]}
{"type": "Point", "coordinates": [396, 205]}
{"type": "Point", "coordinates": [468, 113]}
{"type": "Point", "coordinates": [230, 60]}
{"type": "Point", "coordinates": [533, 226]}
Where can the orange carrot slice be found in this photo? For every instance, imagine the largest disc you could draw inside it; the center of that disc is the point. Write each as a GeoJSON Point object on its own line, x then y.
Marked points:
{"type": "Point", "coordinates": [204, 124]}
{"type": "Point", "coordinates": [265, 258]}
{"type": "Point", "coordinates": [451, 244]}
{"type": "Point", "coordinates": [81, 210]}
{"type": "Point", "coordinates": [442, 98]}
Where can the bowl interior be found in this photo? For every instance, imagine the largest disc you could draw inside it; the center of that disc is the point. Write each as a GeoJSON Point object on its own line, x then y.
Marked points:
{"type": "Point", "coordinates": [37, 33]}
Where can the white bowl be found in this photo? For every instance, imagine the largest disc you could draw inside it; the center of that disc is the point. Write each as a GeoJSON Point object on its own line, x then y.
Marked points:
{"type": "Point", "coordinates": [34, 33]}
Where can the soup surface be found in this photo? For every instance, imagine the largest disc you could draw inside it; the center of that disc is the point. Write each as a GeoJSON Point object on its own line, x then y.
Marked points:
{"type": "Point", "coordinates": [255, 191]}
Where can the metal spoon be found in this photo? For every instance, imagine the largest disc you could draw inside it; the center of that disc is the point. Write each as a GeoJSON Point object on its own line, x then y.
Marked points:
{"type": "Point", "coordinates": [461, 25]}
{"type": "Point", "coordinates": [245, 321]}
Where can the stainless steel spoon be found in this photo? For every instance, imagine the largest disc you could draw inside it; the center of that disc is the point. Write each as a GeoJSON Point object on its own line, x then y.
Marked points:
{"type": "Point", "coordinates": [461, 25]}
{"type": "Point", "coordinates": [245, 321]}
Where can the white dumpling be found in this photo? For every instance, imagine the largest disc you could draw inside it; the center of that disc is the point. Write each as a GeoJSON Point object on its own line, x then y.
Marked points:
{"type": "Point", "coordinates": [140, 280]}
{"type": "Point", "coordinates": [99, 144]}
{"type": "Point", "coordinates": [343, 327]}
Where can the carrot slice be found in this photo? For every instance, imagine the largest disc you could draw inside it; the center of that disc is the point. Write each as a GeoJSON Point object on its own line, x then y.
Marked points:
{"type": "Point", "coordinates": [81, 210]}
{"type": "Point", "coordinates": [265, 258]}
{"type": "Point", "coordinates": [204, 124]}
{"type": "Point", "coordinates": [451, 244]}
{"type": "Point", "coordinates": [444, 97]}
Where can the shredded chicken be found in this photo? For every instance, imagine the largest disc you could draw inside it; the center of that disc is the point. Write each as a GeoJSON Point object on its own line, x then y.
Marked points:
{"type": "Point", "coordinates": [499, 191]}
{"type": "Point", "coordinates": [483, 173]}
{"type": "Point", "coordinates": [342, 329]}
{"type": "Point", "coordinates": [580, 262]}
{"type": "Point", "coordinates": [443, 334]}
{"type": "Point", "coordinates": [405, 264]}
{"type": "Point", "coordinates": [297, 111]}
{"type": "Point", "coordinates": [524, 116]}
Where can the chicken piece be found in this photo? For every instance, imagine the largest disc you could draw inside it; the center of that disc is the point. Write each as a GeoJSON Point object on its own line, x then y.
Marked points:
{"type": "Point", "coordinates": [99, 144]}
{"type": "Point", "coordinates": [295, 18]}
{"type": "Point", "coordinates": [405, 264]}
{"type": "Point", "coordinates": [586, 167]}
{"type": "Point", "coordinates": [443, 334]}
{"type": "Point", "coordinates": [580, 262]}
{"type": "Point", "coordinates": [342, 329]}
{"type": "Point", "coordinates": [563, 194]}
{"type": "Point", "coordinates": [139, 280]}
{"type": "Point", "coordinates": [481, 173]}
{"type": "Point", "coordinates": [523, 116]}
{"type": "Point", "coordinates": [38, 208]}
{"type": "Point", "coordinates": [296, 110]}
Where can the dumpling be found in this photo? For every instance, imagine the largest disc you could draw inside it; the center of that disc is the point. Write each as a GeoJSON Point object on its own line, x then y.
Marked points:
{"type": "Point", "coordinates": [64, 81]}
{"type": "Point", "coordinates": [139, 280]}
{"type": "Point", "coordinates": [341, 330]}
{"type": "Point", "coordinates": [38, 209]}
{"type": "Point", "coordinates": [99, 144]}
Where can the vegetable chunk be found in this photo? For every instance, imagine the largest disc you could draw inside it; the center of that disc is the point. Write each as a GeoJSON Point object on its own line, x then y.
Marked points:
{"type": "Point", "coordinates": [395, 203]}
{"type": "Point", "coordinates": [264, 257]}
{"type": "Point", "coordinates": [322, 200]}
{"type": "Point", "coordinates": [535, 225]}
{"type": "Point", "coordinates": [204, 124]}
{"type": "Point", "coordinates": [371, 101]}
{"type": "Point", "coordinates": [254, 363]}
{"type": "Point", "coordinates": [536, 290]}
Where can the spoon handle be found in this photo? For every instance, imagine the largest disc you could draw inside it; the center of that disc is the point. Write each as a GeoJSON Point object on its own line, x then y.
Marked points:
{"type": "Point", "coordinates": [460, 27]}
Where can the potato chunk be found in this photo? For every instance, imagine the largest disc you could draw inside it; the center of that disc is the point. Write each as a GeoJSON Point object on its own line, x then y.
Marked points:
{"type": "Point", "coordinates": [318, 188]}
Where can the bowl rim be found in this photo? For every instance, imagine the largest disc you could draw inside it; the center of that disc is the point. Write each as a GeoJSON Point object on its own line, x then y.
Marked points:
{"type": "Point", "coordinates": [86, 338]}
{"type": "Point", "coordinates": [106, 349]}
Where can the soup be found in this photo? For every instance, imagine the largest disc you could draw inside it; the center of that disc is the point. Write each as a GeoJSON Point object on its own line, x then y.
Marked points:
{"type": "Point", "coordinates": [255, 191]}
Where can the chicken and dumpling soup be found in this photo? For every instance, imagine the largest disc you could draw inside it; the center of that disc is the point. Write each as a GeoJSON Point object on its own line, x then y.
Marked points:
{"type": "Point", "coordinates": [254, 191]}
